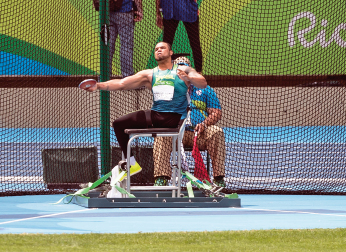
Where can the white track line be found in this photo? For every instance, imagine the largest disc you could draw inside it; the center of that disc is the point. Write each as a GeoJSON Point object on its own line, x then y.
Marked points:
{"type": "Point", "coordinates": [45, 216]}
{"type": "Point", "coordinates": [298, 212]}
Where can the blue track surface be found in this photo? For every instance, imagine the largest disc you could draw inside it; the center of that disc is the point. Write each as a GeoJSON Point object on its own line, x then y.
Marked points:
{"type": "Point", "coordinates": [269, 150]}
{"type": "Point", "coordinates": [36, 214]}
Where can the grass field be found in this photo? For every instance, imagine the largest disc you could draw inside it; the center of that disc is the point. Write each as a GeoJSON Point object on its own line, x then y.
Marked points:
{"type": "Point", "coordinates": [259, 240]}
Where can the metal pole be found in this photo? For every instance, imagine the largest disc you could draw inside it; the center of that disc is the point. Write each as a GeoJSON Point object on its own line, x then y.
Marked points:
{"type": "Point", "coordinates": [104, 95]}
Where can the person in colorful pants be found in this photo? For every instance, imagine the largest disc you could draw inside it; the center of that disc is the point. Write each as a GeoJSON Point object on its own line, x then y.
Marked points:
{"type": "Point", "coordinates": [122, 23]}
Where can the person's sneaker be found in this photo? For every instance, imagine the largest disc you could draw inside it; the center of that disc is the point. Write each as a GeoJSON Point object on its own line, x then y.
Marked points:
{"type": "Point", "coordinates": [134, 169]}
{"type": "Point", "coordinates": [160, 181]}
{"type": "Point", "coordinates": [219, 181]}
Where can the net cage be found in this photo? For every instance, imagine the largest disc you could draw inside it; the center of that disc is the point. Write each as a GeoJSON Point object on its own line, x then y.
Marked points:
{"type": "Point", "coordinates": [276, 72]}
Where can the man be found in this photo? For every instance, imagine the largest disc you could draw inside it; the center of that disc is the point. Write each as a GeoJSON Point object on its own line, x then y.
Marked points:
{"type": "Point", "coordinates": [205, 113]}
{"type": "Point", "coordinates": [122, 22]}
{"type": "Point", "coordinates": [186, 11]}
{"type": "Point", "coordinates": [167, 82]}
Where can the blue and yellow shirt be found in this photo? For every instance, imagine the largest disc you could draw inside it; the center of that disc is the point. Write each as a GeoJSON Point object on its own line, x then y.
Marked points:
{"type": "Point", "coordinates": [201, 100]}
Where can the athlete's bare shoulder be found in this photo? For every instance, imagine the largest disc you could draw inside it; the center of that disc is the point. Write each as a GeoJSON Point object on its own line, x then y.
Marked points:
{"type": "Point", "coordinates": [145, 73]}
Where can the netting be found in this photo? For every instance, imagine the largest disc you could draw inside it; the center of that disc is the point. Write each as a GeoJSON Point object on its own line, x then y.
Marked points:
{"type": "Point", "coordinates": [277, 68]}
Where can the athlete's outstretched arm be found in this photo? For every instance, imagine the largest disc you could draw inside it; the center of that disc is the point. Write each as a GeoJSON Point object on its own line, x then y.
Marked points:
{"type": "Point", "coordinates": [140, 79]}
{"type": "Point", "coordinates": [188, 74]}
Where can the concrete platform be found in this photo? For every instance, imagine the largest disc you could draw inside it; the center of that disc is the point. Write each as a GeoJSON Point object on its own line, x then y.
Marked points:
{"type": "Point", "coordinates": [156, 199]}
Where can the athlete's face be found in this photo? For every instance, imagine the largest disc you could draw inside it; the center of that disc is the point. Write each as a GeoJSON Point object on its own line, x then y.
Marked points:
{"type": "Point", "coordinates": [162, 52]}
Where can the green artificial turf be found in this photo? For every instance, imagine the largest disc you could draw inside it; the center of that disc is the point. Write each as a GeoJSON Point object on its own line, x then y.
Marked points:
{"type": "Point", "coordinates": [258, 240]}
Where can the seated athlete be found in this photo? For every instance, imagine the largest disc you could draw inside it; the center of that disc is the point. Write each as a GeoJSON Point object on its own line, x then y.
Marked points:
{"type": "Point", "coordinates": [205, 113]}
{"type": "Point", "coordinates": [167, 82]}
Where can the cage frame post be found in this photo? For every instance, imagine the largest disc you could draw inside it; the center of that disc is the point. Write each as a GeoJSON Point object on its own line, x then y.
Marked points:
{"type": "Point", "coordinates": [105, 146]}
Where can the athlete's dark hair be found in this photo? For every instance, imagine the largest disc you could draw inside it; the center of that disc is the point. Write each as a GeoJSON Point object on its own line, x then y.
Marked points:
{"type": "Point", "coordinates": [169, 45]}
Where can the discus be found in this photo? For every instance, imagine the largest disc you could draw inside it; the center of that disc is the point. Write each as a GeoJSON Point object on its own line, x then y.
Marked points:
{"type": "Point", "coordinates": [87, 84]}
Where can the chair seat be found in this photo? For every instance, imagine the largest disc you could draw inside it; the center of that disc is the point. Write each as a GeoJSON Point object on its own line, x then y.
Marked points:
{"type": "Point", "coordinates": [151, 131]}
